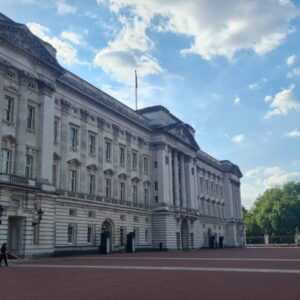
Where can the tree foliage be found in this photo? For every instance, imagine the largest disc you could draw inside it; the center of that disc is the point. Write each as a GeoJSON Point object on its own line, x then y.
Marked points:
{"type": "Point", "coordinates": [276, 212]}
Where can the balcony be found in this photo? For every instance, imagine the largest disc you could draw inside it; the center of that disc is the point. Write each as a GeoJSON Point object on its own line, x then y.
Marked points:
{"type": "Point", "coordinates": [17, 180]}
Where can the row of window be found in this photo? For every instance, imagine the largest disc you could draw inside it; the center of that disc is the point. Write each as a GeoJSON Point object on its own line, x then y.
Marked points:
{"type": "Point", "coordinates": [91, 142]}
{"type": "Point", "coordinates": [210, 188]}
{"type": "Point", "coordinates": [8, 112]}
{"type": "Point", "coordinates": [6, 163]}
{"type": "Point", "coordinates": [108, 187]}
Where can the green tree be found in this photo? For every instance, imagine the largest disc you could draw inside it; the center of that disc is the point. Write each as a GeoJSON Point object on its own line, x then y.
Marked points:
{"type": "Point", "coordinates": [277, 211]}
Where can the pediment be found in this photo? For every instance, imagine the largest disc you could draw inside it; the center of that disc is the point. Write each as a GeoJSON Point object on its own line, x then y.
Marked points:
{"type": "Point", "coordinates": [135, 180]}
{"type": "Point", "coordinates": [146, 182]}
{"type": "Point", "coordinates": [181, 132]}
{"type": "Point", "coordinates": [123, 176]}
{"type": "Point", "coordinates": [74, 162]}
{"type": "Point", "coordinates": [56, 157]}
{"type": "Point", "coordinates": [108, 172]}
{"type": "Point", "coordinates": [92, 168]}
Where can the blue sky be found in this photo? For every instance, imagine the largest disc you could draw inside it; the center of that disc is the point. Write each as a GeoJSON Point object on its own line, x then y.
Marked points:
{"type": "Point", "coordinates": [230, 68]}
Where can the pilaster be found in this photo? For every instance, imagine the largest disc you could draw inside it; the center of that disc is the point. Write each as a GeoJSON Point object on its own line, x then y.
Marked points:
{"type": "Point", "coordinates": [176, 194]}
{"type": "Point", "coordinates": [21, 125]}
{"type": "Point", "coordinates": [183, 203]}
{"type": "Point", "coordinates": [45, 132]}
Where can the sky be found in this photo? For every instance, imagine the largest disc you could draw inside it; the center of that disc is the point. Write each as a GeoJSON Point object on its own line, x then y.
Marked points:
{"type": "Point", "coordinates": [231, 69]}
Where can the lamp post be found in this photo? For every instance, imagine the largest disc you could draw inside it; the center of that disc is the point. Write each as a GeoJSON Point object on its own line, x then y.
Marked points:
{"type": "Point", "coordinates": [39, 213]}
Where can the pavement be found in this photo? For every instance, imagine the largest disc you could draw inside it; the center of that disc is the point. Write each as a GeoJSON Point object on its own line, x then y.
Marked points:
{"type": "Point", "coordinates": [268, 273]}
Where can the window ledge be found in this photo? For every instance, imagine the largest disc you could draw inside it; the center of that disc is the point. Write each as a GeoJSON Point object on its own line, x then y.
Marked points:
{"type": "Point", "coordinates": [9, 123]}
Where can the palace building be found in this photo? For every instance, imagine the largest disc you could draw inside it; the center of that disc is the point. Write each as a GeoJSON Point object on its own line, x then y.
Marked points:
{"type": "Point", "coordinates": [75, 163]}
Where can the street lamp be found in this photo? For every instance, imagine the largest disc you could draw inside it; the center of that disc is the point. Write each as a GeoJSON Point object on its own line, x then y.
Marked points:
{"type": "Point", "coordinates": [39, 213]}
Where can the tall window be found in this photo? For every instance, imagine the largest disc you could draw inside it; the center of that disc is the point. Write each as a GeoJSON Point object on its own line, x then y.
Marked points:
{"type": "Point", "coordinates": [8, 109]}
{"type": "Point", "coordinates": [146, 235]}
{"type": "Point", "coordinates": [92, 184]}
{"type": "Point", "coordinates": [74, 137]}
{"type": "Point", "coordinates": [146, 196]}
{"type": "Point", "coordinates": [134, 160]}
{"type": "Point", "coordinates": [54, 175]}
{"type": "Point", "coordinates": [155, 185]}
{"type": "Point", "coordinates": [28, 166]}
{"type": "Point", "coordinates": [122, 236]}
{"type": "Point", "coordinates": [71, 234]}
{"type": "Point", "coordinates": [108, 150]}
{"type": "Point", "coordinates": [122, 156]}
{"type": "Point", "coordinates": [108, 188]}
{"type": "Point", "coordinates": [55, 131]}
{"type": "Point", "coordinates": [5, 161]}
{"type": "Point", "coordinates": [73, 180]}
{"type": "Point", "coordinates": [122, 191]}
{"type": "Point", "coordinates": [90, 234]}
{"type": "Point", "coordinates": [135, 193]}
{"type": "Point", "coordinates": [92, 144]}
{"type": "Point", "coordinates": [30, 117]}
{"type": "Point", "coordinates": [146, 165]}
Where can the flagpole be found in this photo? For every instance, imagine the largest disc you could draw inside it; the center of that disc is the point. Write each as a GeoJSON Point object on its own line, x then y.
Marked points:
{"type": "Point", "coordinates": [136, 86]}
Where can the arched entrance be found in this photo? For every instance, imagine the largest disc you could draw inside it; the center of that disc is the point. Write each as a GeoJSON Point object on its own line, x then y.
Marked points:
{"type": "Point", "coordinates": [108, 230]}
{"type": "Point", "coordinates": [185, 234]}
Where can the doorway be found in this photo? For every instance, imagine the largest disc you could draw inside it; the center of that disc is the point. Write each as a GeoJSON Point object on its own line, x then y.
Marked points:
{"type": "Point", "coordinates": [15, 235]}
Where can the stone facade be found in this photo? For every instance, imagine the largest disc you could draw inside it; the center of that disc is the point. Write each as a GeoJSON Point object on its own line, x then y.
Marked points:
{"type": "Point", "coordinates": [91, 164]}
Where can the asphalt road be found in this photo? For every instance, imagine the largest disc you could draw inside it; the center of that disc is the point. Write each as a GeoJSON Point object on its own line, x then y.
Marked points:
{"type": "Point", "coordinates": [271, 273]}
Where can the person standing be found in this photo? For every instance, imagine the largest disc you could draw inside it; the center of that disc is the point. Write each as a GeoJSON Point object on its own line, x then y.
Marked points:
{"type": "Point", "coordinates": [3, 254]}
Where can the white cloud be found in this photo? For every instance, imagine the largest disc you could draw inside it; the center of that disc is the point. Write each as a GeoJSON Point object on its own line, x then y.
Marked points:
{"type": "Point", "coordinates": [237, 100]}
{"type": "Point", "coordinates": [66, 53]}
{"type": "Point", "coordinates": [270, 171]}
{"type": "Point", "coordinates": [238, 138]}
{"type": "Point", "coordinates": [291, 60]}
{"type": "Point", "coordinates": [280, 179]}
{"type": "Point", "coordinates": [294, 133]}
{"type": "Point", "coordinates": [64, 8]}
{"type": "Point", "coordinates": [129, 51]}
{"type": "Point", "coordinates": [268, 98]}
{"type": "Point", "coordinates": [217, 28]}
{"type": "Point", "coordinates": [254, 86]}
{"type": "Point", "coordinates": [71, 36]}
{"type": "Point", "coordinates": [295, 72]}
{"type": "Point", "coordinates": [252, 172]}
{"type": "Point", "coordinates": [283, 102]}
{"type": "Point", "coordinates": [257, 180]}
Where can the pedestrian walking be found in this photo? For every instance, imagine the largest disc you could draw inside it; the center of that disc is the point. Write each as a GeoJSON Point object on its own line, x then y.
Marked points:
{"type": "Point", "coordinates": [3, 254]}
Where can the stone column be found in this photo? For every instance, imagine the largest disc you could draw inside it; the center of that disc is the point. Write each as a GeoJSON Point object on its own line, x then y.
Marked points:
{"type": "Point", "coordinates": [101, 123]}
{"type": "Point", "coordinates": [115, 160]}
{"type": "Point", "coordinates": [162, 174]}
{"type": "Point", "coordinates": [182, 182]}
{"type": "Point", "coordinates": [170, 174]}
{"type": "Point", "coordinates": [188, 181]}
{"type": "Point", "coordinates": [45, 132]}
{"type": "Point", "coordinates": [82, 150]}
{"type": "Point", "coordinates": [21, 125]}
{"type": "Point", "coordinates": [129, 165]}
{"type": "Point", "coordinates": [63, 173]}
{"type": "Point", "coordinates": [176, 195]}
{"type": "Point", "coordinates": [2, 74]}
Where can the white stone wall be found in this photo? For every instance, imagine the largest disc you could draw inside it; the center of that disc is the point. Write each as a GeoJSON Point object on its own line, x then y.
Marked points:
{"type": "Point", "coordinates": [202, 195]}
